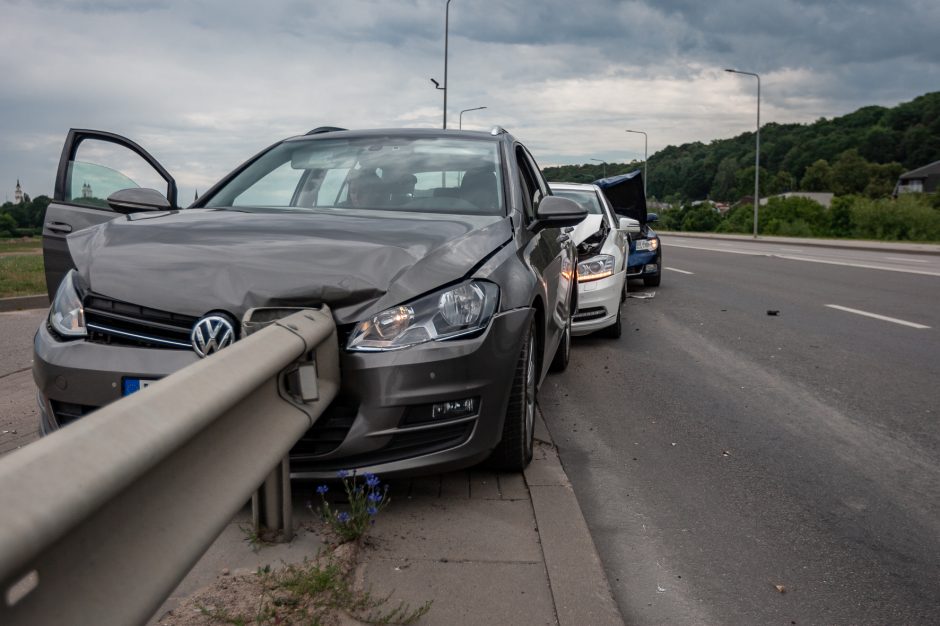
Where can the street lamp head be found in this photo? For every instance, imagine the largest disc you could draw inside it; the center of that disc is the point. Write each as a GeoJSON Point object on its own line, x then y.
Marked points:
{"type": "Point", "coordinates": [732, 71]}
{"type": "Point", "coordinates": [436, 84]}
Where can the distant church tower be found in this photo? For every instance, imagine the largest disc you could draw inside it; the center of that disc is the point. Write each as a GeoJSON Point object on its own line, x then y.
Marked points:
{"type": "Point", "coordinates": [18, 194]}
{"type": "Point", "coordinates": [86, 191]}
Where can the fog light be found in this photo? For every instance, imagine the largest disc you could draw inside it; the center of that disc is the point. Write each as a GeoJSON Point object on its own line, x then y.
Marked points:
{"type": "Point", "coordinates": [454, 408]}
{"type": "Point", "coordinates": [652, 268]}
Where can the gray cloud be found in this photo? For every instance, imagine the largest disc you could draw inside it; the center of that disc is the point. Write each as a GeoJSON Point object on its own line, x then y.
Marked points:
{"type": "Point", "coordinates": [205, 84]}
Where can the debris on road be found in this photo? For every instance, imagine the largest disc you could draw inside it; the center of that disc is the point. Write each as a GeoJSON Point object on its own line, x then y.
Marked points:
{"type": "Point", "coordinates": [773, 312]}
{"type": "Point", "coordinates": [641, 295]}
{"type": "Point", "coordinates": [780, 588]}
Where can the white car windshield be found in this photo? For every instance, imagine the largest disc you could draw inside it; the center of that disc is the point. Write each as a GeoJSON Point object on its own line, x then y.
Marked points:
{"type": "Point", "coordinates": [587, 199]}
{"type": "Point", "coordinates": [397, 173]}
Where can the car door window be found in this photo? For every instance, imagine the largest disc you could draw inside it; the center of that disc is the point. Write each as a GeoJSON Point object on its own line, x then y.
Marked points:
{"type": "Point", "coordinates": [99, 168]}
{"type": "Point", "coordinates": [532, 194]}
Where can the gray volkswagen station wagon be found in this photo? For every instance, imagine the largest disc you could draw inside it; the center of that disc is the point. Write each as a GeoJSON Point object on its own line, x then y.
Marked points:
{"type": "Point", "coordinates": [443, 256]}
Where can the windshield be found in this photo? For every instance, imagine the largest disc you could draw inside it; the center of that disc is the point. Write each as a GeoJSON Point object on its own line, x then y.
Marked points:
{"type": "Point", "coordinates": [587, 199]}
{"type": "Point", "coordinates": [427, 174]}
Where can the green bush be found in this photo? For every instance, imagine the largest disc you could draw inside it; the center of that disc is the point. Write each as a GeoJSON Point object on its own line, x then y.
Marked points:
{"type": "Point", "coordinates": [911, 217]}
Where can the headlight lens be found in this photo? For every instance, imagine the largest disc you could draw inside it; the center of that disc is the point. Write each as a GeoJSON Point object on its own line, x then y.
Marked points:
{"type": "Point", "coordinates": [66, 315]}
{"type": "Point", "coordinates": [647, 244]}
{"type": "Point", "coordinates": [595, 268]}
{"type": "Point", "coordinates": [451, 313]}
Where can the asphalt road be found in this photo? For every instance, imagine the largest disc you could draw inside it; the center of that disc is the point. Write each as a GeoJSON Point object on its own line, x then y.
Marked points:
{"type": "Point", "coordinates": [19, 419]}
{"type": "Point", "coordinates": [738, 467]}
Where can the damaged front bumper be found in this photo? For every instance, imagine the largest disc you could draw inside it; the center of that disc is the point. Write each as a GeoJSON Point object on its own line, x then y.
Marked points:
{"type": "Point", "coordinates": [384, 419]}
{"type": "Point", "coordinates": [598, 303]}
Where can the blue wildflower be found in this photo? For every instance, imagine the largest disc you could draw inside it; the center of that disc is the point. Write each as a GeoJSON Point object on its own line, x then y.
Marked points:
{"type": "Point", "coordinates": [343, 517]}
{"type": "Point", "coordinates": [342, 474]}
{"type": "Point", "coordinates": [372, 511]}
{"type": "Point", "coordinates": [322, 489]}
{"type": "Point", "coordinates": [372, 480]}
{"type": "Point", "coordinates": [375, 497]}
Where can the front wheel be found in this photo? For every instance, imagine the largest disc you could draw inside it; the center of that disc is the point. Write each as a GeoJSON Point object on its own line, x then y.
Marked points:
{"type": "Point", "coordinates": [514, 451]}
{"type": "Point", "coordinates": [653, 281]}
{"type": "Point", "coordinates": [616, 329]}
{"type": "Point", "coordinates": [563, 353]}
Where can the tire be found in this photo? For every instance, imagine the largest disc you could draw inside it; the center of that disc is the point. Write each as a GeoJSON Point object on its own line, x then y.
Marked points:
{"type": "Point", "coordinates": [514, 451]}
{"type": "Point", "coordinates": [653, 281]}
{"type": "Point", "coordinates": [563, 352]}
{"type": "Point", "coordinates": [616, 329]}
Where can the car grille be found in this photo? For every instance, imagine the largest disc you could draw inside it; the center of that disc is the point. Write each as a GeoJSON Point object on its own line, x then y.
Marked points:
{"type": "Point", "coordinates": [593, 313]}
{"type": "Point", "coordinates": [66, 412]}
{"type": "Point", "coordinates": [403, 445]}
{"type": "Point", "coordinates": [120, 323]}
{"type": "Point", "coordinates": [329, 431]}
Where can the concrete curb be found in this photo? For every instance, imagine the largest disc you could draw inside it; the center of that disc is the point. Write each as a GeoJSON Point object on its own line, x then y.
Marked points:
{"type": "Point", "coordinates": [21, 303]}
{"type": "Point", "coordinates": [579, 586]}
{"type": "Point", "coordinates": [846, 244]}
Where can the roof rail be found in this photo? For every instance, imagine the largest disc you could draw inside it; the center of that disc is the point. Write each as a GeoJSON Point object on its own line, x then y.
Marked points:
{"type": "Point", "coordinates": [324, 129]}
{"type": "Point", "coordinates": [497, 130]}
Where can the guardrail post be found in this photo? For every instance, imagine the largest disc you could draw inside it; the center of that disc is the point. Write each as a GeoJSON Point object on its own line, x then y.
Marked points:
{"type": "Point", "coordinates": [272, 512]}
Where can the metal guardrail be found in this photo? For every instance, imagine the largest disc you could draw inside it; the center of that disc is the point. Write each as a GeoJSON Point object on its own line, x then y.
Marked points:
{"type": "Point", "coordinates": [101, 520]}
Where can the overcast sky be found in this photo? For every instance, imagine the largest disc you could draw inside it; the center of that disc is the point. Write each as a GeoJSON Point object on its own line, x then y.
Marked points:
{"type": "Point", "coordinates": [204, 85]}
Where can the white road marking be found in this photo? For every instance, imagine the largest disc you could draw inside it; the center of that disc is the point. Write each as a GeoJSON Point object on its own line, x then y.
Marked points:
{"type": "Point", "coordinates": [906, 260]}
{"type": "Point", "coordinates": [675, 269]}
{"type": "Point", "coordinates": [883, 318]}
{"type": "Point", "coordinates": [866, 266]}
{"type": "Point", "coordinates": [791, 250]}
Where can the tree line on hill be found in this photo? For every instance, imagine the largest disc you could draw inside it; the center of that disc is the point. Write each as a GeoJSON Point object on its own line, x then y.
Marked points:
{"type": "Point", "coordinates": [858, 157]}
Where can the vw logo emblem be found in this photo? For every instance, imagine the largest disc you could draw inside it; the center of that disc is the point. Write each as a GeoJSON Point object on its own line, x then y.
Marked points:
{"type": "Point", "coordinates": [211, 334]}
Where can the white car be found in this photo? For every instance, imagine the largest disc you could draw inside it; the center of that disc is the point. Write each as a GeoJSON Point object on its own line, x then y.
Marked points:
{"type": "Point", "coordinates": [603, 251]}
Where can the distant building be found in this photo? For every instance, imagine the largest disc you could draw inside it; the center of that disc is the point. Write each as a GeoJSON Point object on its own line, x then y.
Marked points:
{"type": "Point", "coordinates": [924, 179]}
{"type": "Point", "coordinates": [18, 194]}
{"type": "Point", "coordinates": [822, 197]}
{"type": "Point", "coordinates": [86, 191]}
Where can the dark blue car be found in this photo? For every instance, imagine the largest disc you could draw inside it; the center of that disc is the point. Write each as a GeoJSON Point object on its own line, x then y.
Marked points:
{"type": "Point", "coordinates": [625, 193]}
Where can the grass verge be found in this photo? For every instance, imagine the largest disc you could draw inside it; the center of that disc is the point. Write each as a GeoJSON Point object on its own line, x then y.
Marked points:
{"type": "Point", "coordinates": [317, 591]}
{"type": "Point", "coordinates": [23, 244]}
{"type": "Point", "coordinates": [22, 275]}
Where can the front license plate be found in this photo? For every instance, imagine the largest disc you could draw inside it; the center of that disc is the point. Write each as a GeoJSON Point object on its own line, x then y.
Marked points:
{"type": "Point", "coordinates": [130, 385]}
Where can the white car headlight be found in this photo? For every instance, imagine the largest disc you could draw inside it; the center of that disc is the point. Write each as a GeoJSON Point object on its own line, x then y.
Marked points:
{"type": "Point", "coordinates": [595, 268]}
{"type": "Point", "coordinates": [447, 314]}
{"type": "Point", "coordinates": [66, 315]}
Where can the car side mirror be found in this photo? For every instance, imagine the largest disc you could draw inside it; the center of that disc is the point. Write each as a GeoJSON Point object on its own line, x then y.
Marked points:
{"type": "Point", "coordinates": [557, 212]}
{"type": "Point", "coordinates": [629, 225]}
{"type": "Point", "coordinates": [138, 199]}
{"type": "Point", "coordinates": [652, 217]}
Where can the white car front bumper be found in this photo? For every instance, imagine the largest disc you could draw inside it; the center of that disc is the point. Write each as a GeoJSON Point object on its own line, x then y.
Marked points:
{"type": "Point", "coordinates": [598, 303]}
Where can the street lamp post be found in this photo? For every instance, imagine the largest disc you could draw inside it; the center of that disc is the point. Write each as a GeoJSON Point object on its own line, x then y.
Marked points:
{"type": "Point", "coordinates": [645, 159]}
{"type": "Point", "coordinates": [756, 150]}
{"type": "Point", "coordinates": [437, 85]}
{"type": "Point", "coordinates": [464, 111]}
{"type": "Point", "coordinates": [605, 165]}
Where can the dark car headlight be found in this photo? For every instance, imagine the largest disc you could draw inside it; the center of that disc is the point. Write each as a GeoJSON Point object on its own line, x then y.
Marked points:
{"type": "Point", "coordinates": [66, 315]}
{"type": "Point", "coordinates": [647, 244]}
{"type": "Point", "coordinates": [446, 314]}
{"type": "Point", "coordinates": [595, 268]}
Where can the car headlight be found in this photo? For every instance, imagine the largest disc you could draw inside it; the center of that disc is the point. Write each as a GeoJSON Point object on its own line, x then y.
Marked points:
{"type": "Point", "coordinates": [647, 244]}
{"type": "Point", "coordinates": [447, 314]}
{"type": "Point", "coordinates": [595, 268]}
{"type": "Point", "coordinates": [66, 315]}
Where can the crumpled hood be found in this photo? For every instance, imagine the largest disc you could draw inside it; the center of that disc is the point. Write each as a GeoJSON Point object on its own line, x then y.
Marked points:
{"type": "Point", "coordinates": [358, 262]}
{"type": "Point", "coordinates": [587, 227]}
